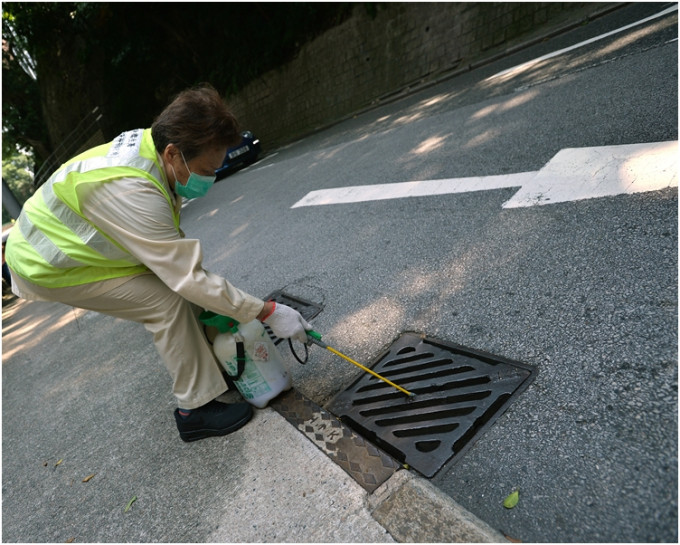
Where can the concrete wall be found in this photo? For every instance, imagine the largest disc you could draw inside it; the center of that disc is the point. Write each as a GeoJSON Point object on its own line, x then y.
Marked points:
{"type": "Point", "coordinates": [369, 57]}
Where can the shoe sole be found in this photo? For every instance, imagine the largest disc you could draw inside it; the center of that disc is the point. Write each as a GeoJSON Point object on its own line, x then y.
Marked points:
{"type": "Point", "coordinates": [195, 435]}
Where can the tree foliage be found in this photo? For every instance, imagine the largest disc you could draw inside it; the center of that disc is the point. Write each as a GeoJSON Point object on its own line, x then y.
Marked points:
{"type": "Point", "coordinates": [22, 119]}
{"type": "Point", "coordinates": [129, 59]}
{"type": "Point", "coordinates": [16, 171]}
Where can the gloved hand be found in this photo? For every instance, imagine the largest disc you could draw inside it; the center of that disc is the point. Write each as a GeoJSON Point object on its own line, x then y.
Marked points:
{"type": "Point", "coordinates": [287, 322]}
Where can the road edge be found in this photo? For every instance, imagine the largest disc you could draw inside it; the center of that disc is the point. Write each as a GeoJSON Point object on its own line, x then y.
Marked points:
{"type": "Point", "coordinates": [412, 510]}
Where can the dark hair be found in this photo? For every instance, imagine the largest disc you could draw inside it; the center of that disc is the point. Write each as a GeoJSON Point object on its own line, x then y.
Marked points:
{"type": "Point", "coordinates": [196, 120]}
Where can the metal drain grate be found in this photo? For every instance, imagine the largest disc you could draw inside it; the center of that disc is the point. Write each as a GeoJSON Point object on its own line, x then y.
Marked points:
{"type": "Point", "coordinates": [308, 309]}
{"type": "Point", "coordinates": [459, 391]}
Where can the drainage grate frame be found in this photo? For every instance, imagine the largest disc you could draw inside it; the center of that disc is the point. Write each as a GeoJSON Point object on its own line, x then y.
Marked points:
{"type": "Point", "coordinates": [307, 309]}
{"type": "Point", "coordinates": [368, 465]}
{"type": "Point", "coordinates": [460, 393]}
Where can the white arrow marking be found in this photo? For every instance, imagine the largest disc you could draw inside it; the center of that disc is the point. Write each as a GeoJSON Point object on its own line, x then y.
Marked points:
{"type": "Point", "coordinates": [587, 173]}
{"type": "Point", "coordinates": [573, 174]}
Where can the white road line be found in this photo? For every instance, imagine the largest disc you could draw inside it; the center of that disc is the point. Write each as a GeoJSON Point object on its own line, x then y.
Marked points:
{"type": "Point", "coordinates": [510, 72]}
{"type": "Point", "coordinates": [573, 174]}
{"type": "Point", "coordinates": [425, 188]}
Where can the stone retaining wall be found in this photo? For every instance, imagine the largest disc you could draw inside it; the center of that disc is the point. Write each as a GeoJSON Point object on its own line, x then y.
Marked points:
{"type": "Point", "coordinates": [371, 56]}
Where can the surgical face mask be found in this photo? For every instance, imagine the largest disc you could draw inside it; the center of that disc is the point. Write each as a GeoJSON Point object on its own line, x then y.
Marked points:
{"type": "Point", "coordinates": [196, 186]}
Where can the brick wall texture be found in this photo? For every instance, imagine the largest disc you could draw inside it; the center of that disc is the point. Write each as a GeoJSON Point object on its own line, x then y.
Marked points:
{"type": "Point", "coordinates": [370, 56]}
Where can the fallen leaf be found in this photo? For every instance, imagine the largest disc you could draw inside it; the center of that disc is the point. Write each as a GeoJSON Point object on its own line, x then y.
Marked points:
{"type": "Point", "coordinates": [70, 540]}
{"type": "Point", "coordinates": [129, 504]}
{"type": "Point", "coordinates": [512, 539]}
{"type": "Point", "coordinates": [511, 500]}
{"type": "Point", "coordinates": [88, 477]}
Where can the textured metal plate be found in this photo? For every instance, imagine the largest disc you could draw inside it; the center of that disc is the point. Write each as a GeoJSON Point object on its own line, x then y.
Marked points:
{"type": "Point", "coordinates": [368, 465]}
{"type": "Point", "coordinates": [307, 309]}
{"type": "Point", "coordinates": [460, 392]}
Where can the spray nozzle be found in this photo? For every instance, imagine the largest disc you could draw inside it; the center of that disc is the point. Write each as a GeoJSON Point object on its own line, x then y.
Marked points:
{"type": "Point", "coordinates": [314, 337]}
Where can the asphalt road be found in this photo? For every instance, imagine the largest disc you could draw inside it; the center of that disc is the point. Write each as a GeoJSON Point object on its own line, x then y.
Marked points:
{"type": "Point", "coordinates": [586, 291]}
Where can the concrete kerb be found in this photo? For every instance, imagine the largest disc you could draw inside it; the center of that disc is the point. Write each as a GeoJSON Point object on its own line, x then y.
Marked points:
{"type": "Point", "coordinates": [412, 510]}
{"type": "Point", "coordinates": [406, 505]}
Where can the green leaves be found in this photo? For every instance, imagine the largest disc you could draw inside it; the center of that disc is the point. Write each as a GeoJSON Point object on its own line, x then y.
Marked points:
{"type": "Point", "coordinates": [129, 504]}
{"type": "Point", "coordinates": [511, 500]}
{"type": "Point", "coordinates": [98, 45]}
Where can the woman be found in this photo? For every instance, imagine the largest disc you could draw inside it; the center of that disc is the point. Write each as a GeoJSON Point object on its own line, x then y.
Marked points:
{"type": "Point", "coordinates": [103, 234]}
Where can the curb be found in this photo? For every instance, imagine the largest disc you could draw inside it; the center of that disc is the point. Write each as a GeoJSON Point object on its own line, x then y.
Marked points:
{"type": "Point", "coordinates": [407, 506]}
{"type": "Point", "coordinates": [412, 510]}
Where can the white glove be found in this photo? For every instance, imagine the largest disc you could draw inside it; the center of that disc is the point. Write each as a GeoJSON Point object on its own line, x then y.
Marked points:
{"type": "Point", "coordinates": [287, 322]}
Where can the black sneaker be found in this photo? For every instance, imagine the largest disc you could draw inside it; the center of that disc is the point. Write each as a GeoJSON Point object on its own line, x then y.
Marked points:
{"type": "Point", "coordinates": [215, 418]}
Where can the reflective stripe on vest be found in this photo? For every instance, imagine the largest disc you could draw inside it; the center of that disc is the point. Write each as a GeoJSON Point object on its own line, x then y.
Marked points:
{"type": "Point", "coordinates": [81, 228]}
{"type": "Point", "coordinates": [52, 227]}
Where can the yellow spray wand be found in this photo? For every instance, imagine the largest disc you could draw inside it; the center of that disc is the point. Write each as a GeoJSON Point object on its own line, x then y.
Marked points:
{"type": "Point", "coordinates": [315, 338]}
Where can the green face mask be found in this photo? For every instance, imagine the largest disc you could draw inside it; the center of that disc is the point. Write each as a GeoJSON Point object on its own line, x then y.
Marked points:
{"type": "Point", "coordinates": [196, 186]}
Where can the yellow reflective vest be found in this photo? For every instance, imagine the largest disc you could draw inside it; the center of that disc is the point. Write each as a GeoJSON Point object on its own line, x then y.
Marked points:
{"type": "Point", "coordinates": [53, 245]}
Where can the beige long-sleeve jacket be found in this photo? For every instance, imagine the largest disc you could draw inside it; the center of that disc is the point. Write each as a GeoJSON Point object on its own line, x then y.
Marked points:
{"type": "Point", "coordinates": [134, 213]}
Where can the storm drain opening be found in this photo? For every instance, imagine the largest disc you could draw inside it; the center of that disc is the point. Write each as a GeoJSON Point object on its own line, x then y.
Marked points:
{"type": "Point", "coordinates": [307, 309]}
{"type": "Point", "coordinates": [459, 393]}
